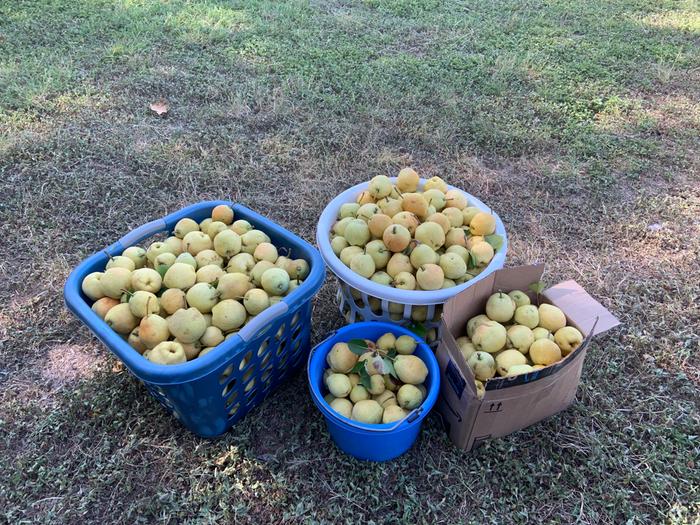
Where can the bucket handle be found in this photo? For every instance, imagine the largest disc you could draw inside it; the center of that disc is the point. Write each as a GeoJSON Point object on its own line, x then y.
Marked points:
{"type": "Point", "coordinates": [410, 417]}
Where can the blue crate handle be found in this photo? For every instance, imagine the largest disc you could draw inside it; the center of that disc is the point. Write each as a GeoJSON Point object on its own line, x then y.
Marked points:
{"type": "Point", "coordinates": [191, 370]}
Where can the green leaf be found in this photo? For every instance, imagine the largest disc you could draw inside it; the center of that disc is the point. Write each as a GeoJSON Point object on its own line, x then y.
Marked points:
{"type": "Point", "coordinates": [418, 329]}
{"type": "Point", "coordinates": [389, 364]}
{"type": "Point", "coordinates": [358, 346]}
{"type": "Point", "coordinates": [537, 287]}
{"type": "Point", "coordinates": [392, 353]}
{"type": "Point", "coordinates": [162, 269]}
{"type": "Point", "coordinates": [365, 381]}
{"type": "Point", "coordinates": [494, 240]}
{"type": "Point", "coordinates": [471, 261]}
{"type": "Point", "coordinates": [358, 368]}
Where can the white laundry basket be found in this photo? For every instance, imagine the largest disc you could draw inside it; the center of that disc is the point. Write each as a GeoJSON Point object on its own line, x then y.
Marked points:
{"type": "Point", "coordinates": [361, 299]}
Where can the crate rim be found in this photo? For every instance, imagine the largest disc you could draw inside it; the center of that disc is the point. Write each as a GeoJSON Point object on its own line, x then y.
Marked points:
{"type": "Point", "coordinates": [413, 297]}
{"type": "Point", "coordinates": [201, 366]}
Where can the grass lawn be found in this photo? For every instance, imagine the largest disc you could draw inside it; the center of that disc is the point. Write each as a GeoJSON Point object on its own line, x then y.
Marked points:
{"type": "Point", "coordinates": [577, 120]}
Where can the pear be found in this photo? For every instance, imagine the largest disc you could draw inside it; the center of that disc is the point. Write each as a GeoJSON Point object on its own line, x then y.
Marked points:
{"type": "Point", "coordinates": [187, 325]}
{"type": "Point", "coordinates": [519, 298]}
{"type": "Point", "coordinates": [167, 353]}
{"type": "Point", "coordinates": [380, 186]}
{"type": "Point", "coordinates": [241, 226]}
{"type": "Point", "coordinates": [341, 359]}
{"type": "Point", "coordinates": [359, 393]}
{"type": "Point", "coordinates": [227, 243]}
{"type": "Point", "coordinates": [367, 411]}
{"type": "Point", "coordinates": [172, 300]}
{"type": "Point", "coordinates": [258, 270]}
{"type": "Point", "coordinates": [500, 307]}
{"type": "Point", "coordinates": [474, 323]}
{"type": "Point", "coordinates": [482, 224]}
{"type": "Point", "coordinates": [156, 249]}
{"type": "Point", "coordinates": [180, 275]}
{"type": "Point", "coordinates": [146, 279]}
{"type": "Point", "coordinates": [135, 342]}
{"type": "Point", "coordinates": [527, 315]}
{"type": "Point", "coordinates": [137, 255]}
{"type": "Point", "coordinates": [196, 241]}
{"type": "Point", "coordinates": [203, 297]}
{"type": "Point", "coordinates": [466, 347]}
{"type": "Point", "coordinates": [409, 397]}
{"type": "Point", "coordinates": [519, 337]}
{"type": "Point", "coordinates": [452, 265]}
{"type": "Point", "coordinates": [207, 257]}
{"type": "Point", "coordinates": [349, 209]}
{"type": "Point", "coordinates": [393, 413]}
{"type": "Point", "coordinates": [396, 238]}
{"type": "Point", "coordinates": [483, 253]}
{"type": "Point", "coordinates": [223, 213]}
{"type": "Point", "coordinates": [430, 233]}
{"type": "Point", "coordinates": [338, 243]}
{"type": "Point", "coordinates": [377, 385]}
{"type": "Point", "coordinates": [255, 301]}
{"type": "Point", "coordinates": [121, 262]}
{"type": "Point", "coordinates": [228, 315]}
{"type": "Point", "coordinates": [542, 333]}
{"type": "Point", "coordinates": [265, 251]}
{"type": "Point", "coordinates": [386, 398]}
{"type": "Point", "coordinates": [480, 389]}
{"type": "Point", "coordinates": [104, 305]}
{"type": "Point", "coordinates": [143, 303]}
{"type": "Point", "coordinates": [568, 339]}
{"type": "Point", "coordinates": [91, 286]}
{"type": "Point", "coordinates": [435, 183]}
{"type": "Point", "coordinates": [233, 285]}
{"type": "Point", "coordinates": [114, 282]}
{"type": "Point", "coordinates": [241, 263]}
{"type": "Point", "coordinates": [153, 330]}
{"type": "Point", "coordinates": [347, 254]}
{"type": "Point", "coordinates": [489, 337]}
{"type": "Point", "coordinates": [508, 358]}
{"type": "Point", "coordinates": [275, 281]}
{"type": "Point", "coordinates": [164, 261]}
{"type": "Point", "coordinates": [212, 336]}
{"type": "Point", "coordinates": [215, 228]}
{"type": "Point", "coordinates": [551, 317]}
{"type": "Point", "coordinates": [545, 352]}
{"type": "Point", "coordinates": [120, 319]}
{"type": "Point", "coordinates": [174, 244]}
{"type": "Point", "coordinates": [518, 369]}
{"type": "Point", "coordinates": [378, 223]}
{"type": "Point", "coordinates": [430, 277]}
{"type": "Point", "coordinates": [339, 385]}
{"type": "Point", "coordinates": [483, 365]}
{"type": "Point", "coordinates": [407, 180]}
{"type": "Point", "coordinates": [410, 369]}
{"type": "Point", "coordinates": [405, 345]}
{"type": "Point", "coordinates": [342, 406]}
{"type": "Point", "coordinates": [185, 226]}
{"type": "Point", "coordinates": [442, 220]}
{"type": "Point", "coordinates": [187, 258]}
{"type": "Point", "coordinates": [399, 263]}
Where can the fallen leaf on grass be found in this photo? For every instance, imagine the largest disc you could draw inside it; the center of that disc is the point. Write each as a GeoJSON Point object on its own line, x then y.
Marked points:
{"type": "Point", "coordinates": [160, 107]}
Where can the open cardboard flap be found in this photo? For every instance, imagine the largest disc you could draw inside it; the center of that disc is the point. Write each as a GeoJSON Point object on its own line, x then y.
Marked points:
{"type": "Point", "coordinates": [510, 404]}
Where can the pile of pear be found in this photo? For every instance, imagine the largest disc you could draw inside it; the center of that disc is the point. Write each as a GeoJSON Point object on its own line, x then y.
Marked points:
{"type": "Point", "coordinates": [386, 399]}
{"type": "Point", "coordinates": [515, 337]}
{"type": "Point", "coordinates": [177, 299]}
{"type": "Point", "coordinates": [412, 236]}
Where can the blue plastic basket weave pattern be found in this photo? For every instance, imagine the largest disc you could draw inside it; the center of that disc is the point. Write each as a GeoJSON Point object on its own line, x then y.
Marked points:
{"type": "Point", "coordinates": [211, 393]}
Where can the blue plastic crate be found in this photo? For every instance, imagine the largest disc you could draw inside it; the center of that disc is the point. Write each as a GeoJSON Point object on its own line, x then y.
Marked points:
{"type": "Point", "coordinates": [211, 393]}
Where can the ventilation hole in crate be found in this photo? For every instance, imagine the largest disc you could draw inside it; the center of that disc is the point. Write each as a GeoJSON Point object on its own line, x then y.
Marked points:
{"type": "Point", "coordinates": [177, 416]}
{"type": "Point", "coordinates": [280, 332]}
{"type": "Point", "coordinates": [232, 411]}
{"type": "Point", "coordinates": [295, 319]}
{"type": "Point", "coordinates": [263, 347]}
{"type": "Point", "coordinates": [265, 360]}
{"type": "Point", "coordinates": [225, 374]}
{"type": "Point", "coordinates": [281, 347]}
{"type": "Point", "coordinates": [158, 390]}
{"type": "Point", "coordinates": [246, 359]}
{"type": "Point", "coordinates": [229, 386]}
{"type": "Point", "coordinates": [251, 394]}
{"type": "Point", "coordinates": [250, 385]}
{"type": "Point", "coordinates": [282, 361]}
{"type": "Point", "coordinates": [232, 398]}
{"type": "Point", "coordinates": [248, 374]}
{"type": "Point", "coordinates": [266, 376]}
{"type": "Point", "coordinates": [296, 332]}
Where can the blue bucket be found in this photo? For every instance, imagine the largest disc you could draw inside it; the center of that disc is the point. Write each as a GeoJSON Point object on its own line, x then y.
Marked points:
{"type": "Point", "coordinates": [363, 441]}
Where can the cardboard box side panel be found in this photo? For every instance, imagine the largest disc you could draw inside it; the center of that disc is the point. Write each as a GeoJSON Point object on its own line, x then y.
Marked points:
{"type": "Point", "coordinates": [580, 308]}
{"type": "Point", "coordinates": [517, 278]}
{"type": "Point", "coordinates": [499, 418]}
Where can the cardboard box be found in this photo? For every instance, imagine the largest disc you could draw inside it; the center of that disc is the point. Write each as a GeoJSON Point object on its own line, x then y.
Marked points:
{"type": "Point", "coordinates": [513, 403]}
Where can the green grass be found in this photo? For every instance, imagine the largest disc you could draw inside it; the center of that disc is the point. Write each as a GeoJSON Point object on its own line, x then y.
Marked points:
{"type": "Point", "coordinates": [578, 121]}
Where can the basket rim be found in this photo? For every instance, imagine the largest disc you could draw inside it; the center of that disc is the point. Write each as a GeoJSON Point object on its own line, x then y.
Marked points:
{"type": "Point", "coordinates": [229, 348]}
{"type": "Point", "coordinates": [413, 297]}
